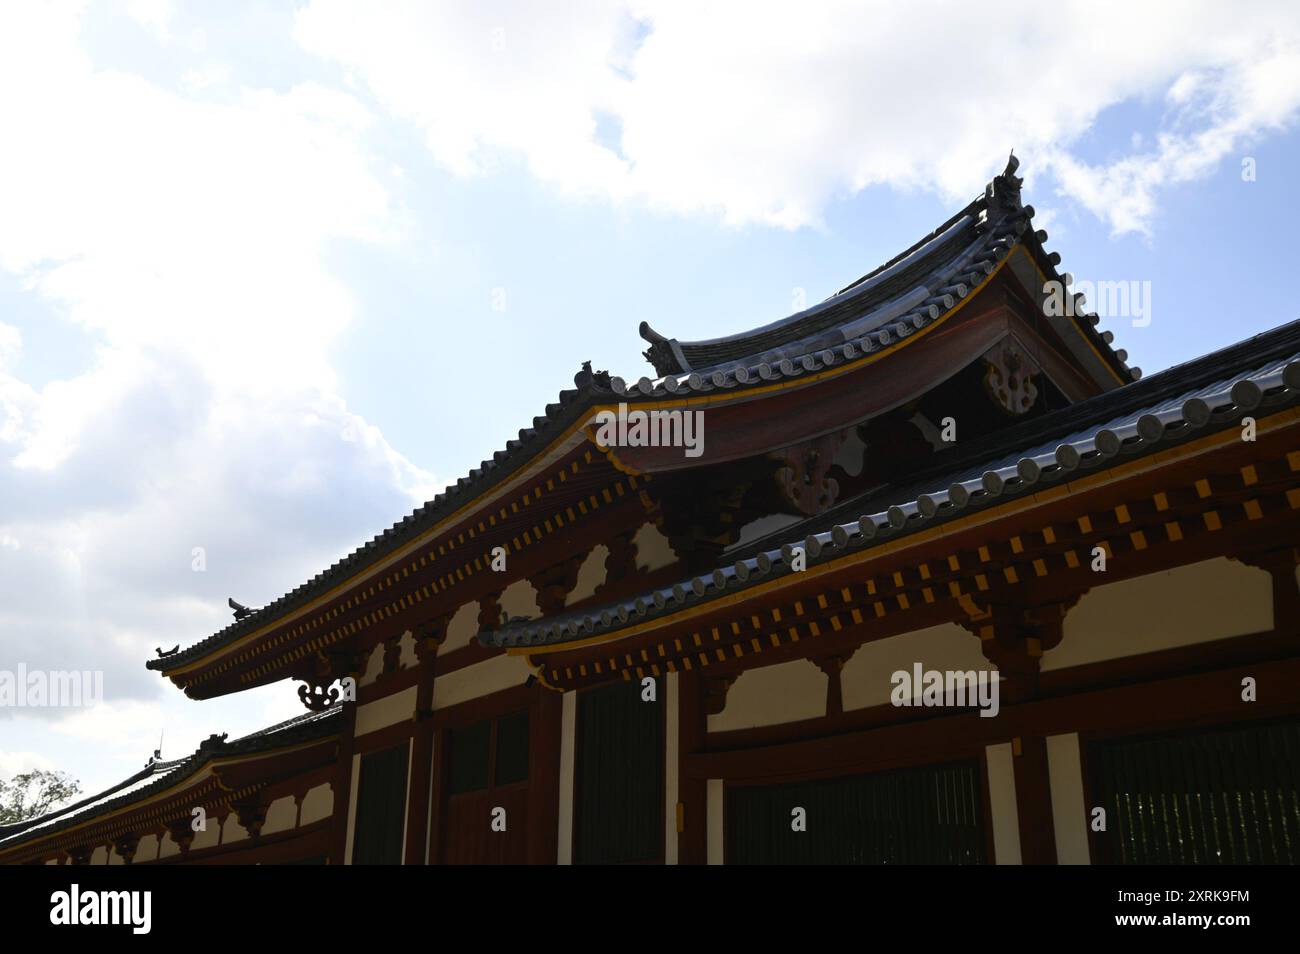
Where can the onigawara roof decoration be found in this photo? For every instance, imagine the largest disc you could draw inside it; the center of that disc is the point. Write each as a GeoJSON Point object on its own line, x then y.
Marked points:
{"type": "Point", "coordinates": [1172, 407]}
{"type": "Point", "coordinates": [159, 775]}
{"type": "Point", "coordinates": [877, 345]}
{"type": "Point", "coordinates": [897, 299]}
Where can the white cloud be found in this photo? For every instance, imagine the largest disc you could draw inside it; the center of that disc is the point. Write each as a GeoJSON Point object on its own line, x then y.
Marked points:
{"type": "Point", "coordinates": [186, 230]}
{"type": "Point", "coordinates": [768, 116]}
{"type": "Point", "coordinates": [15, 763]}
{"type": "Point", "coordinates": [188, 240]}
{"type": "Point", "coordinates": [154, 15]}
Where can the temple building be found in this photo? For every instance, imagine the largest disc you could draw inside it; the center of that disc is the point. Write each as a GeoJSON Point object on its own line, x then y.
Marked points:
{"type": "Point", "coordinates": [925, 573]}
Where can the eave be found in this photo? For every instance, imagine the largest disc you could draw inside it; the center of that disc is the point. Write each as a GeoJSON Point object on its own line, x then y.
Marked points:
{"type": "Point", "coordinates": [1165, 413]}
{"type": "Point", "coordinates": [397, 579]}
{"type": "Point", "coordinates": [220, 772]}
{"type": "Point", "coordinates": [1031, 552]}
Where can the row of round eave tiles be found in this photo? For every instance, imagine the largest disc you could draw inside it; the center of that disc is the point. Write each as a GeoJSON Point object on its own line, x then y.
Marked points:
{"type": "Point", "coordinates": [1245, 396]}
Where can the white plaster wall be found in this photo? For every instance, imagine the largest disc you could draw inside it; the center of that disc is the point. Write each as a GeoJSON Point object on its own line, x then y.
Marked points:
{"type": "Point", "coordinates": [1214, 599]}
{"type": "Point", "coordinates": [232, 831]}
{"type": "Point", "coordinates": [715, 791]}
{"type": "Point", "coordinates": [590, 575]}
{"type": "Point", "coordinates": [480, 679]}
{"type": "Point", "coordinates": [652, 548]}
{"type": "Point", "coordinates": [1069, 808]}
{"type": "Point", "coordinates": [167, 847]}
{"type": "Point", "coordinates": [374, 667]}
{"type": "Point", "coordinates": [318, 803]}
{"type": "Point", "coordinates": [210, 837]}
{"type": "Point", "coordinates": [866, 679]}
{"type": "Point", "coordinates": [520, 599]}
{"type": "Point", "coordinates": [408, 658]}
{"type": "Point", "coordinates": [786, 692]}
{"type": "Point", "coordinates": [147, 849]}
{"type": "Point", "coordinates": [461, 628]}
{"type": "Point", "coordinates": [281, 815]}
{"type": "Point", "coordinates": [761, 527]}
{"type": "Point", "coordinates": [352, 808]}
{"type": "Point", "coordinates": [1002, 804]}
{"type": "Point", "coordinates": [406, 801]}
{"type": "Point", "coordinates": [386, 711]}
{"type": "Point", "coordinates": [568, 747]}
{"type": "Point", "coordinates": [672, 696]}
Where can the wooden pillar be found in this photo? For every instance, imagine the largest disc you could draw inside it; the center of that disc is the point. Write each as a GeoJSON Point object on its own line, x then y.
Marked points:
{"type": "Point", "coordinates": [1034, 800]}
{"type": "Point", "coordinates": [182, 832]}
{"type": "Point", "coordinates": [554, 584]}
{"type": "Point", "coordinates": [437, 786]}
{"type": "Point", "coordinates": [342, 785]}
{"type": "Point", "coordinates": [1281, 565]}
{"type": "Point", "coordinates": [544, 785]}
{"type": "Point", "coordinates": [692, 793]}
{"type": "Point", "coordinates": [126, 846]}
{"type": "Point", "coordinates": [832, 666]}
{"type": "Point", "coordinates": [251, 814]}
{"type": "Point", "coordinates": [428, 637]}
{"type": "Point", "coordinates": [1014, 636]}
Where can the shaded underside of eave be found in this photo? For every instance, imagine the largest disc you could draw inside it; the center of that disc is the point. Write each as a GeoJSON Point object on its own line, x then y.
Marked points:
{"type": "Point", "coordinates": [468, 492]}
{"type": "Point", "coordinates": [987, 247]}
{"type": "Point", "coordinates": [940, 259]}
{"type": "Point", "coordinates": [311, 727]}
{"type": "Point", "coordinates": [1270, 358]}
{"type": "Point", "coordinates": [1269, 346]}
{"type": "Point", "coordinates": [789, 377]}
{"type": "Point", "coordinates": [844, 305]}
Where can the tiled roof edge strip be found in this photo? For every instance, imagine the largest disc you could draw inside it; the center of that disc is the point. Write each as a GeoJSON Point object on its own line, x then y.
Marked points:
{"type": "Point", "coordinates": [1036, 464]}
{"type": "Point", "coordinates": [316, 725]}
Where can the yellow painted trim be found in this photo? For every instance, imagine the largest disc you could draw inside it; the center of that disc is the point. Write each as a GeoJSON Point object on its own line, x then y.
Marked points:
{"type": "Point", "coordinates": [1083, 334]}
{"type": "Point", "coordinates": [1113, 475]}
{"type": "Point", "coordinates": [166, 793]}
{"type": "Point", "coordinates": [484, 499]}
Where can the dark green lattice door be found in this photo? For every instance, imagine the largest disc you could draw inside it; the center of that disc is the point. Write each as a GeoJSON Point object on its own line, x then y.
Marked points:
{"type": "Point", "coordinates": [1222, 796]}
{"type": "Point", "coordinates": [619, 784]}
{"type": "Point", "coordinates": [928, 815]}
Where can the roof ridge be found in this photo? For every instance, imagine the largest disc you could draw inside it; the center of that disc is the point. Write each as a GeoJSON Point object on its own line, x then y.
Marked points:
{"type": "Point", "coordinates": [998, 203]}
{"type": "Point", "coordinates": [1212, 394]}
{"type": "Point", "coordinates": [211, 748]}
{"type": "Point", "coordinates": [1001, 224]}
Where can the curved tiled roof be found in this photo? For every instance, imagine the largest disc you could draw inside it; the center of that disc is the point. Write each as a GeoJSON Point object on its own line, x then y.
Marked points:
{"type": "Point", "coordinates": [157, 775]}
{"type": "Point", "coordinates": [955, 259]}
{"type": "Point", "coordinates": [897, 299]}
{"type": "Point", "coordinates": [1168, 408]}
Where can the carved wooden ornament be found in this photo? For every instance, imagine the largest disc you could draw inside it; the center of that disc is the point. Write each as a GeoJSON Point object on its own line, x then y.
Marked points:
{"type": "Point", "coordinates": [1009, 377]}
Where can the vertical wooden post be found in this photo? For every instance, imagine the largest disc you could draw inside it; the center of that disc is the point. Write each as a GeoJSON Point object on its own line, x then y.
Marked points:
{"type": "Point", "coordinates": [342, 784]}
{"type": "Point", "coordinates": [437, 786]}
{"type": "Point", "coordinates": [1034, 801]}
{"type": "Point", "coordinates": [428, 638]}
{"type": "Point", "coordinates": [692, 793]}
{"type": "Point", "coordinates": [544, 782]}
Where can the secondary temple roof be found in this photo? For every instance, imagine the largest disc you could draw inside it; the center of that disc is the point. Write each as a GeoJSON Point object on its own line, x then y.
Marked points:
{"type": "Point", "coordinates": [158, 776]}
{"type": "Point", "coordinates": [868, 321]}
{"type": "Point", "coordinates": [1184, 402]}
{"type": "Point", "coordinates": [900, 297]}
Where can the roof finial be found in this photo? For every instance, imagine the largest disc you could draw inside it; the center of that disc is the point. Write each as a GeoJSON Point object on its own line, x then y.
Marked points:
{"type": "Point", "coordinates": [1003, 193]}
{"type": "Point", "coordinates": [587, 376]}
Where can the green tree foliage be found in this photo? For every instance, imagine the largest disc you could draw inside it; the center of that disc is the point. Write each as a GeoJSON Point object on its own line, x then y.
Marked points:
{"type": "Point", "coordinates": [34, 793]}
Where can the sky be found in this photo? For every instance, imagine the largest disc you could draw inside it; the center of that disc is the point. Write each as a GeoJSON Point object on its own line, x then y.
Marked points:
{"type": "Point", "coordinates": [272, 274]}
